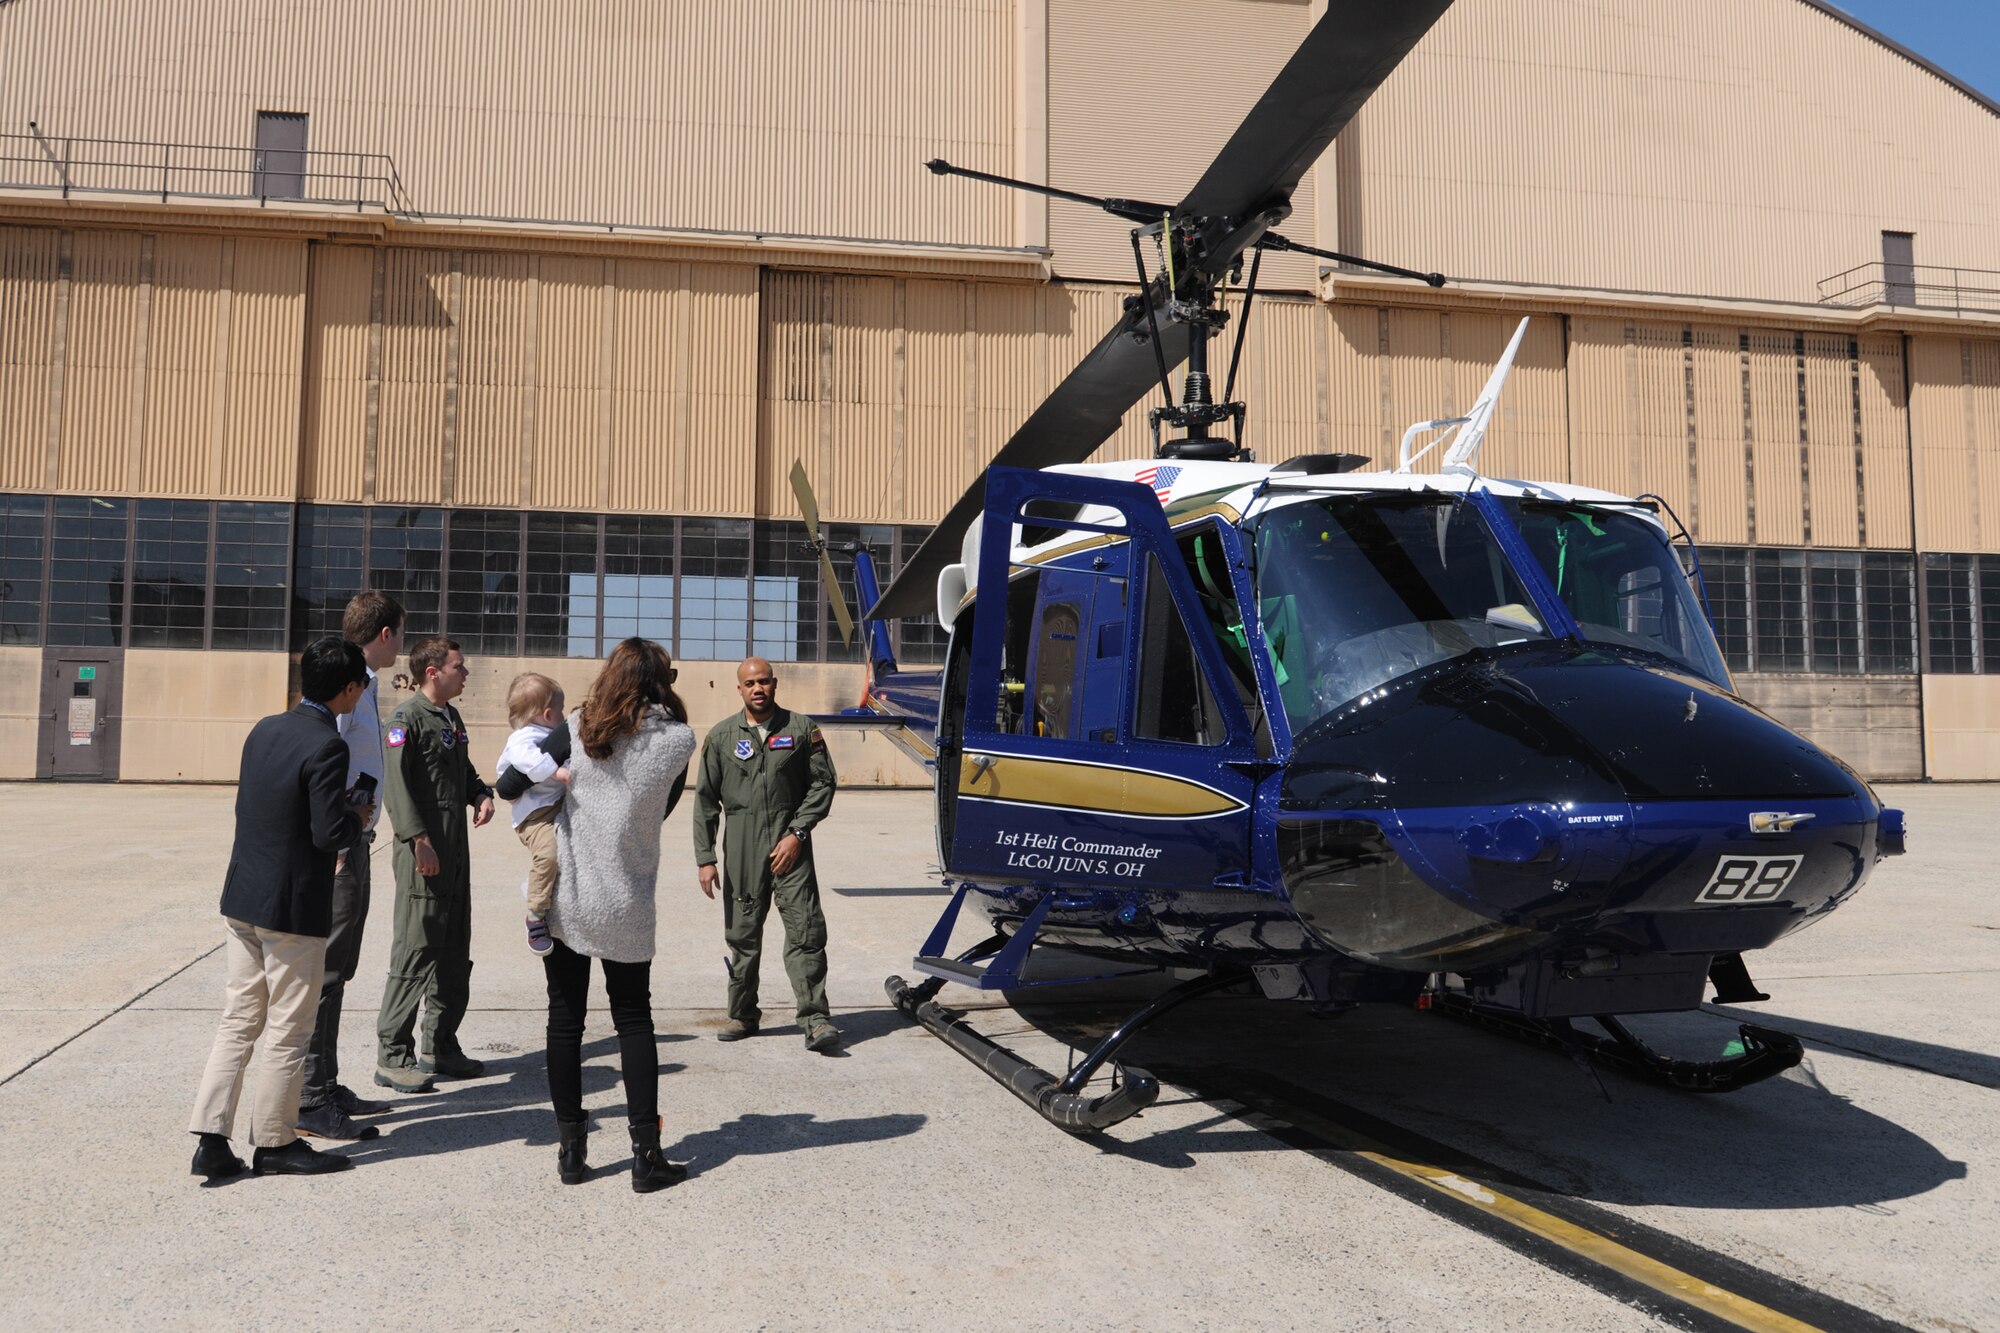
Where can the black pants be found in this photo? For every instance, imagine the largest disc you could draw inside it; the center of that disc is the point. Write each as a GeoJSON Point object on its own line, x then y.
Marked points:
{"type": "Point", "coordinates": [343, 957]}
{"type": "Point", "coordinates": [629, 987]}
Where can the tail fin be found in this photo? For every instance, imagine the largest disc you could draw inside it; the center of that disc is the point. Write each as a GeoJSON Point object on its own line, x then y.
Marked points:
{"type": "Point", "coordinates": [881, 656]}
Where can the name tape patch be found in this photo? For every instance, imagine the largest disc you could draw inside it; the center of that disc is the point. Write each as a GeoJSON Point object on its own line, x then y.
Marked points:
{"type": "Point", "coordinates": [782, 742]}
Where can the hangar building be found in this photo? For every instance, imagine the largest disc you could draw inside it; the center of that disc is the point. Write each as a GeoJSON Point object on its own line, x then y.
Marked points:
{"type": "Point", "coordinates": [524, 311]}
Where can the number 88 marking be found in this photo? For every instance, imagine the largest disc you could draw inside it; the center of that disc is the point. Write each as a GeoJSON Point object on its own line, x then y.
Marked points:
{"type": "Point", "coordinates": [1749, 879]}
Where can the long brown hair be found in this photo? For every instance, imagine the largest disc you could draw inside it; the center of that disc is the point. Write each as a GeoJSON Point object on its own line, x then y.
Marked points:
{"type": "Point", "coordinates": [639, 675]}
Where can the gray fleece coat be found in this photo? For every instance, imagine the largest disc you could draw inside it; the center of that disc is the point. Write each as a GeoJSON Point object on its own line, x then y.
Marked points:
{"type": "Point", "coordinates": [608, 839]}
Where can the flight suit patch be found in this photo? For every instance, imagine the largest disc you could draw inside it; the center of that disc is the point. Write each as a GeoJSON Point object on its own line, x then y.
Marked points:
{"type": "Point", "coordinates": [782, 742]}
{"type": "Point", "coordinates": [744, 749]}
{"type": "Point", "coordinates": [448, 738]}
{"type": "Point", "coordinates": [397, 736]}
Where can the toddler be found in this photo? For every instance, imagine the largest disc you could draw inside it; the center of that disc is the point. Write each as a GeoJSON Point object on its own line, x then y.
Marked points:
{"type": "Point", "coordinates": [534, 709]}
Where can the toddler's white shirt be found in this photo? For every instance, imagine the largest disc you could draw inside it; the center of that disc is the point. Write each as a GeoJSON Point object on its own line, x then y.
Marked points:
{"type": "Point", "coordinates": [523, 751]}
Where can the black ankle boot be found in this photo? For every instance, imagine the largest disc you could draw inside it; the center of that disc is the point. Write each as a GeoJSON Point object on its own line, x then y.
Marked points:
{"type": "Point", "coordinates": [569, 1151]}
{"type": "Point", "coordinates": [650, 1168]}
{"type": "Point", "coordinates": [212, 1158]}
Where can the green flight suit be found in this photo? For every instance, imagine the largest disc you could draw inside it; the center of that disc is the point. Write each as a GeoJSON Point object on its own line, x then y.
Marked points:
{"type": "Point", "coordinates": [428, 785]}
{"type": "Point", "coordinates": [766, 786]}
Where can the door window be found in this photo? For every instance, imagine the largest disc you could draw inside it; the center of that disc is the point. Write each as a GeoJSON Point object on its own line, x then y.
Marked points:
{"type": "Point", "coordinates": [1174, 702]}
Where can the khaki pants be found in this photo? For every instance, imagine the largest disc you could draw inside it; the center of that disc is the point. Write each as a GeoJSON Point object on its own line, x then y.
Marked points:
{"type": "Point", "coordinates": [273, 991]}
{"type": "Point", "coordinates": [538, 834]}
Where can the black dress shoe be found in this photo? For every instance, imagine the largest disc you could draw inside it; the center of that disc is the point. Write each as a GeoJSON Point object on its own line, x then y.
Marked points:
{"type": "Point", "coordinates": [330, 1122]}
{"type": "Point", "coordinates": [297, 1158]}
{"type": "Point", "coordinates": [352, 1102]}
{"type": "Point", "coordinates": [212, 1158]}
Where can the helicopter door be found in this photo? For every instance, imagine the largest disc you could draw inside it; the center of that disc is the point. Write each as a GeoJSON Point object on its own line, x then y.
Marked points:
{"type": "Point", "coordinates": [1101, 743]}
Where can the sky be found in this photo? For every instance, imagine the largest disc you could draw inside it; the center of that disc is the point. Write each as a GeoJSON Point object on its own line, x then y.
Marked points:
{"type": "Point", "coordinates": [1961, 37]}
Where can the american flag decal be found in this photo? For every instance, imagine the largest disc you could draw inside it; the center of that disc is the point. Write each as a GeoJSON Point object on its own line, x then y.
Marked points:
{"type": "Point", "coordinates": [1161, 479]}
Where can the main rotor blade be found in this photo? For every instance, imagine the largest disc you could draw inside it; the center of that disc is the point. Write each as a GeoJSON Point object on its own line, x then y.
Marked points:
{"type": "Point", "coordinates": [1247, 190]}
{"type": "Point", "coordinates": [1342, 61]}
{"type": "Point", "coordinates": [1084, 411]}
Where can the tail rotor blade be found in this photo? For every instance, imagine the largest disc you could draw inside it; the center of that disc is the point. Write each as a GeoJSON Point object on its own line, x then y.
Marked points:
{"type": "Point", "coordinates": [841, 614]}
{"type": "Point", "coordinates": [808, 507]}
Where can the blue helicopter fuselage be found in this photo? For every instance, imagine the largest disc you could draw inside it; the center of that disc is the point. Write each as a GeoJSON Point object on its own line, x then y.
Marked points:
{"type": "Point", "coordinates": [1413, 725]}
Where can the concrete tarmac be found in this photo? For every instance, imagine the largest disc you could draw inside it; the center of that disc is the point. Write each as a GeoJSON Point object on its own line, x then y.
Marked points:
{"type": "Point", "coordinates": [893, 1184]}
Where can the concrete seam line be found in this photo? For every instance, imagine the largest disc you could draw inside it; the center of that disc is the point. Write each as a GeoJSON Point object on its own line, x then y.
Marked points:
{"type": "Point", "coordinates": [111, 1015]}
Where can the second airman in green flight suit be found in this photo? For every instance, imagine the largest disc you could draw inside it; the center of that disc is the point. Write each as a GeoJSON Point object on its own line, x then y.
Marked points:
{"type": "Point", "coordinates": [428, 781]}
{"type": "Point", "coordinates": [767, 773]}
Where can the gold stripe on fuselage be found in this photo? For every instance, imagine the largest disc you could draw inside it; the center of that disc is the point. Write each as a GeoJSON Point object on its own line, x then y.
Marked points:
{"type": "Point", "coordinates": [1066, 785]}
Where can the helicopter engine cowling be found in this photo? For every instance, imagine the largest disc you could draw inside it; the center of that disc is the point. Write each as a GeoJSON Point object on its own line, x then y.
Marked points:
{"type": "Point", "coordinates": [1565, 804]}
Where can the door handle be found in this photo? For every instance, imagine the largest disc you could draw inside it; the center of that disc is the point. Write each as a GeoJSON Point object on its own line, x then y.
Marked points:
{"type": "Point", "coordinates": [981, 765]}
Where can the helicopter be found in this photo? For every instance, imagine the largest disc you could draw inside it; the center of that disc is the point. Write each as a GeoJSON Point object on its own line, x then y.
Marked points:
{"type": "Point", "coordinates": [1342, 732]}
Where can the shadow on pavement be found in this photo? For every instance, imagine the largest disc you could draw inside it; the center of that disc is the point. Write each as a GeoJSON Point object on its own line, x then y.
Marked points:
{"type": "Point", "coordinates": [1510, 1113]}
{"type": "Point", "coordinates": [754, 1135]}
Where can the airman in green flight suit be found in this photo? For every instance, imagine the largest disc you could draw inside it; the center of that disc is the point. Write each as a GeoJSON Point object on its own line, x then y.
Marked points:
{"type": "Point", "coordinates": [429, 781]}
{"type": "Point", "coordinates": [766, 770]}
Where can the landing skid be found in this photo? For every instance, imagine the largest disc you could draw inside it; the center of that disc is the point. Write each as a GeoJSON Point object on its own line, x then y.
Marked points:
{"type": "Point", "coordinates": [1060, 1101]}
{"type": "Point", "coordinates": [1765, 1051]}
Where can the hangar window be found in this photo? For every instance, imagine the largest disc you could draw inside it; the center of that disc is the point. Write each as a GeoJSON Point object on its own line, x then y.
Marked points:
{"type": "Point", "coordinates": [331, 547]}
{"type": "Point", "coordinates": [170, 548]}
{"type": "Point", "coordinates": [87, 572]}
{"type": "Point", "coordinates": [483, 587]}
{"type": "Point", "coordinates": [638, 594]}
{"type": "Point", "coordinates": [560, 616]}
{"type": "Point", "coordinates": [406, 560]}
{"type": "Point", "coordinates": [1962, 603]}
{"type": "Point", "coordinates": [714, 588]}
{"type": "Point", "coordinates": [1830, 612]}
{"type": "Point", "coordinates": [23, 543]}
{"type": "Point", "coordinates": [253, 545]}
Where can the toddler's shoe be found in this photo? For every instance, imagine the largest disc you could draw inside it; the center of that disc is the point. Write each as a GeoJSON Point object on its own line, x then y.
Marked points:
{"type": "Point", "coordinates": [539, 939]}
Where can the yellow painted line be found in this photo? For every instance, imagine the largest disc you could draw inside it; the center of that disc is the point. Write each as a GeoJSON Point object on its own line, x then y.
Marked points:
{"type": "Point", "coordinates": [1581, 1241]}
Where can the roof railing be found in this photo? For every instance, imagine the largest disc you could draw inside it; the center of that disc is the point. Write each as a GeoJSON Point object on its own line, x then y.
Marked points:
{"type": "Point", "coordinates": [1931, 287]}
{"type": "Point", "coordinates": [169, 171]}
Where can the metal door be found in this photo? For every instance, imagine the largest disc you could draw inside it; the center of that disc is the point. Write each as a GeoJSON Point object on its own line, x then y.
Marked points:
{"type": "Point", "coordinates": [82, 703]}
{"type": "Point", "coordinates": [281, 155]}
{"type": "Point", "coordinates": [1899, 268]}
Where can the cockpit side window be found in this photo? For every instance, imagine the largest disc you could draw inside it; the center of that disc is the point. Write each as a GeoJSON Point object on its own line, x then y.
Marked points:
{"type": "Point", "coordinates": [1173, 701]}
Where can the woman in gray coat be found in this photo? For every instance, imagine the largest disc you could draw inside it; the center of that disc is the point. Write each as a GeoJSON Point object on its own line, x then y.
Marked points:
{"type": "Point", "coordinates": [633, 744]}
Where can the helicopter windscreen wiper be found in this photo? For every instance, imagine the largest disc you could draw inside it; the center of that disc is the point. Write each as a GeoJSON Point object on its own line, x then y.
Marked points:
{"type": "Point", "coordinates": [1245, 192]}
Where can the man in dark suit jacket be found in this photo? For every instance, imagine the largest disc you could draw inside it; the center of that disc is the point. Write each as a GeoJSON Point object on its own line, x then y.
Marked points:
{"type": "Point", "coordinates": [293, 813]}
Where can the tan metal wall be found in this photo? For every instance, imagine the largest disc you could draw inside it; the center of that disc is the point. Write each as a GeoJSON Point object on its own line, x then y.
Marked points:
{"type": "Point", "coordinates": [894, 393]}
{"type": "Point", "coordinates": [1114, 131]}
{"type": "Point", "coordinates": [755, 115]}
{"type": "Point", "coordinates": [1393, 366]}
{"type": "Point", "coordinates": [1962, 727]}
{"type": "Point", "coordinates": [1753, 434]}
{"type": "Point", "coordinates": [1734, 147]}
{"type": "Point", "coordinates": [1955, 425]}
{"type": "Point", "coordinates": [552, 380]}
{"type": "Point", "coordinates": [149, 363]}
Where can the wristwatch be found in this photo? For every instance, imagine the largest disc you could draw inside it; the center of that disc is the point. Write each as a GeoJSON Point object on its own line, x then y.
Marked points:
{"type": "Point", "coordinates": [798, 833]}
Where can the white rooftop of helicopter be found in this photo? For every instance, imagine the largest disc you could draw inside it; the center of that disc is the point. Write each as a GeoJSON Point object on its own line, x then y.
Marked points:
{"type": "Point", "coordinates": [1252, 488]}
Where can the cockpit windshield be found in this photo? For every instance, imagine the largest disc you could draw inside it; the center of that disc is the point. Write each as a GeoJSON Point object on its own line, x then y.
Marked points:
{"type": "Point", "coordinates": [1358, 590]}
{"type": "Point", "coordinates": [1621, 580]}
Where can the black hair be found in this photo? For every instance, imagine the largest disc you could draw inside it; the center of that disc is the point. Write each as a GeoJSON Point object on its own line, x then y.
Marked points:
{"type": "Point", "coordinates": [330, 665]}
